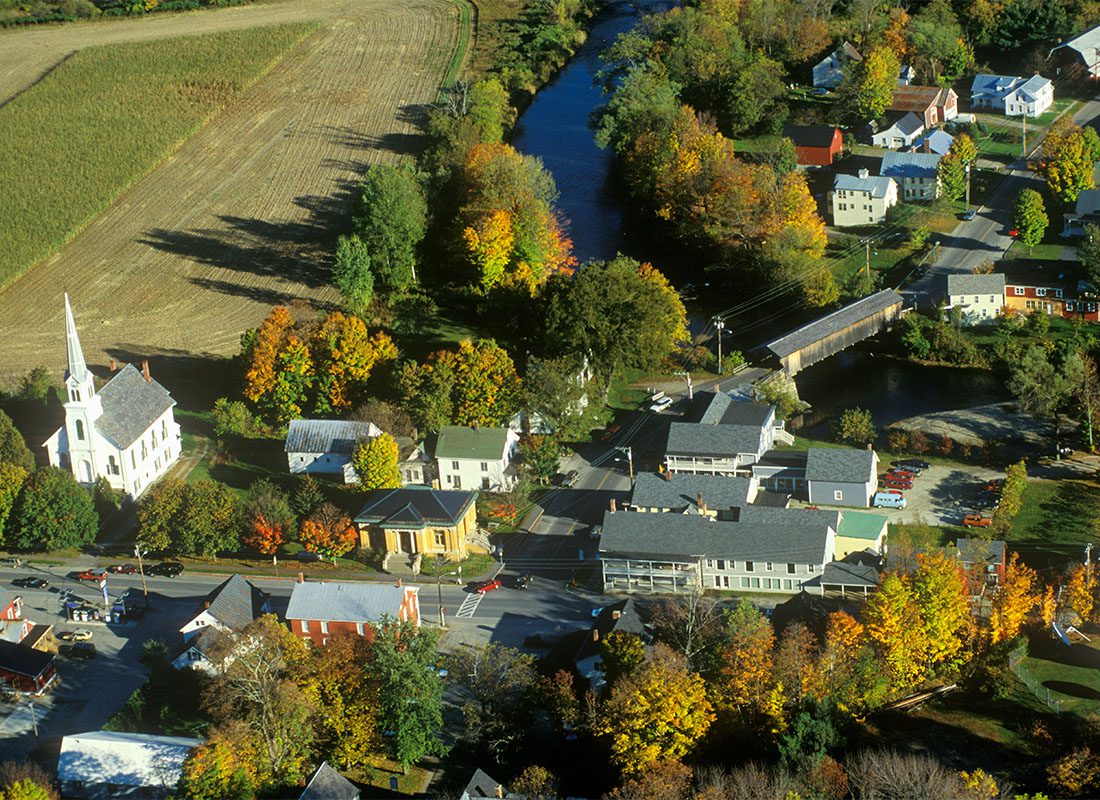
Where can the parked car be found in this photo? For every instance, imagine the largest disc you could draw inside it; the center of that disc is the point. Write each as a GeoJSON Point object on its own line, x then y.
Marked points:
{"type": "Point", "coordinates": [94, 575]}
{"type": "Point", "coordinates": [482, 587]}
{"type": "Point", "coordinates": [988, 500]}
{"type": "Point", "coordinates": [977, 521]}
{"type": "Point", "coordinates": [523, 582]}
{"type": "Point", "coordinates": [996, 485]}
{"type": "Point", "coordinates": [595, 532]}
{"type": "Point", "coordinates": [78, 650]}
{"type": "Point", "coordinates": [904, 472]}
{"type": "Point", "coordinates": [166, 569]}
{"type": "Point", "coordinates": [907, 466]}
{"type": "Point", "coordinates": [891, 481]}
{"type": "Point", "coordinates": [31, 583]}
{"type": "Point", "coordinates": [657, 406]}
{"type": "Point", "coordinates": [888, 500]}
{"type": "Point", "coordinates": [611, 431]}
{"type": "Point", "coordinates": [913, 462]}
{"type": "Point", "coordinates": [122, 569]}
{"type": "Point", "coordinates": [570, 478]}
{"type": "Point", "coordinates": [969, 214]}
{"type": "Point", "coordinates": [79, 635]}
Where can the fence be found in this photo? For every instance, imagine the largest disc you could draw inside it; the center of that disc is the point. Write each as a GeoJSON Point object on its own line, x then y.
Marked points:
{"type": "Point", "coordinates": [1016, 664]}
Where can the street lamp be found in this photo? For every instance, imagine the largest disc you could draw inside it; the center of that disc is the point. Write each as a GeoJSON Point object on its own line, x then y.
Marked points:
{"type": "Point", "coordinates": [439, 588]}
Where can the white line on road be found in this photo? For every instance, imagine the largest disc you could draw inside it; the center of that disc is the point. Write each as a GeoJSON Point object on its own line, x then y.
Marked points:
{"type": "Point", "coordinates": [469, 605]}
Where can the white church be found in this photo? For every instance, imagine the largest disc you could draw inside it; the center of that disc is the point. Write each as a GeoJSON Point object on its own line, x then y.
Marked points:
{"type": "Point", "coordinates": [125, 432]}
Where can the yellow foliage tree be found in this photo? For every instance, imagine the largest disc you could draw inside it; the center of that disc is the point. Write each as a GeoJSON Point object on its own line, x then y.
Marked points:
{"type": "Point", "coordinates": [489, 244]}
{"type": "Point", "coordinates": [941, 593]}
{"type": "Point", "coordinates": [657, 713]}
{"type": "Point", "coordinates": [746, 672]}
{"type": "Point", "coordinates": [1081, 591]}
{"type": "Point", "coordinates": [1048, 606]}
{"type": "Point", "coordinates": [1013, 603]}
{"type": "Point", "coordinates": [893, 622]}
{"type": "Point", "coordinates": [268, 343]}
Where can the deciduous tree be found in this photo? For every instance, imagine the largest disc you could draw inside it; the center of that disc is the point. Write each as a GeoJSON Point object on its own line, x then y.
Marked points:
{"type": "Point", "coordinates": [943, 600]}
{"type": "Point", "coordinates": [1013, 602]}
{"type": "Point", "coordinates": [691, 624]}
{"type": "Point", "coordinates": [1029, 217]}
{"type": "Point", "coordinates": [1068, 162]}
{"type": "Point", "coordinates": [344, 355]}
{"type": "Point", "coordinates": [657, 713]}
{"type": "Point", "coordinates": [495, 685]}
{"type": "Point", "coordinates": [375, 462]}
{"type": "Point", "coordinates": [13, 447]}
{"type": "Point", "coordinates": [855, 427]}
{"type": "Point", "coordinates": [52, 511]}
{"type": "Point", "coordinates": [158, 512]}
{"type": "Point", "coordinates": [209, 519]}
{"type": "Point", "coordinates": [214, 771]}
{"type": "Point", "coordinates": [351, 273]}
{"type": "Point", "coordinates": [893, 622]}
{"type": "Point", "coordinates": [744, 686]}
{"type": "Point", "coordinates": [348, 702]}
{"type": "Point", "coordinates": [870, 84]}
{"type": "Point", "coordinates": [328, 531]}
{"type": "Point", "coordinates": [12, 477]}
{"type": "Point", "coordinates": [540, 455]}
{"type": "Point", "coordinates": [796, 663]}
{"type": "Point", "coordinates": [1081, 592]}
{"type": "Point", "coordinates": [951, 171]}
{"type": "Point", "coordinates": [391, 218]}
{"type": "Point", "coordinates": [620, 654]}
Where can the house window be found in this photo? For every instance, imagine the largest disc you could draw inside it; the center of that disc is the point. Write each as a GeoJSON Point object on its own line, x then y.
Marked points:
{"type": "Point", "coordinates": [1029, 304]}
{"type": "Point", "coordinates": [1069, 306]}
{"type": "Point", "coordinates": [112, 465]}
{"type": "Point", "coordinates": [359, 628]}
{"type": "Point", "coordinates": [163, 429]}
{"type": "Point", "coordinates": [992, 299]}
{"type": "Point", "coordinates": [80, 430]}
{"type": "Point", "coordinates": [454, 465]}
{"type": "Point", "coordinates": [484, 466]}
{"type": "Point", "coordinates": [721, 564]}
{"type": "Point", "coordinates": [485, 484]}
{"type": "Point", "coordinates": [787, 583]}
{"type": "Point", "coordinates": [790, 569]}
{"type": "Point", "coordinates": [768, 568]}
{"type": "Point", "coordinates": [744, 583]}
{"type": "Point", "coordinates": [440, 539]}
{"type": "Point", "coordinates": [1019, 291]}
{"type": "Point", "coordinates": [1057, 292]}
{"type": "Point", "coordinates": [305, 626]}
{"type": "Point", "coordinates": [717, 582]}
{"type": "Point", "coordinates": [710, 563]}
{"type": "Point", "coordinates": [756, 583]}
{"type": "Point", "coordinates": [449, 480]}
{"type": "Point", "coordinates": [811, 568]}
{"type": "Point", "coordinates": [144, 452]}
{"type": "Point", "coordinates": [838, 494]}
{"type": "Point", "coordinates": [153, 437]}
{"type": "Point", "coordinates": [1040, 292]}
{"type": "Point", "coordinates": [748, 566]}
{"type": "Point", "coordinates": [324, 627]}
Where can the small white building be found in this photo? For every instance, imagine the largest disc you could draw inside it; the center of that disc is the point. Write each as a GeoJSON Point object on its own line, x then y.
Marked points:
{"type": "Point", "coordinates": [324, 446]}
{"type": "Point", "coordinates": [108, 764]}
{"type": "Point", "coordinates": [978, 297]}
{"type": "Point", "coordinates": [862, 199]}
{"type": "Point", "coordinates": [901, 130]}
{"type": "Point", "coordinates": [916, 174]}
{"type": "Point", "coordinates": [125, 432]}
{"type": "Point", "coordinates": [476, 458]}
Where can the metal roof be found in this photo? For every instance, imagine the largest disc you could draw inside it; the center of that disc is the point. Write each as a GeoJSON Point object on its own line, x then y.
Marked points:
{"type": "Point", "coordinates": [346, 602]}
{"type": "Point", "coordinates": [992, 550]}
{"type": "Point", "coordinates": [487, 444]}
{"type": "Point", "coordinates": [993, 283]}
{"type": "Point", "coordinates": [1087, 45]}
{"type": "Point", "coordinates": [906, 122]}
{"type": "Point", "coordinates": [327, 435]}
{"type": "Point", "coordinates": [414, 507]}
{"type": "Point", "coordinates": [909, 165]}
{"type": "Point", "coordinates": [937, 141]}
{"type": "Point", "coordinates": [328, 784]}
{"type": "Point", "coordinates": [235, 603]}
{"type": "Point", "coordinates": [875, 185]}
{"type": "Point", "coordinates": [811, 135]}
{"type": "Point", "coordinates": [761, 534]}
{"type": "Point", "coordinates": [679, 491]}
{"type": "Point", "coordinates": [840, 465]}
{"type": "Point", "coordinates": [996, 86]}
{"type": "Point", "coordinates": [699, 439]}
{"type": "Point", "coordinates": [918, 98]}
{"type": "Point", "coordinates": [107, 758]}
{"type": "Point", "coordinates": [1088, 202]}
{"type": "Point", "coordinates": [130, 406]}
{"type": "Point", "coordinates": [861, 525]}
{"type": "Point", "coordinates": [832, 323]}
{"type": "Point", "coordinates": [718, 408]}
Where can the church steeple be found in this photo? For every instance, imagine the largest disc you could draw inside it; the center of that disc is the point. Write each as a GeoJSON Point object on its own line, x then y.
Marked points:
{"type": "Point", "coordinates": [78, 370]}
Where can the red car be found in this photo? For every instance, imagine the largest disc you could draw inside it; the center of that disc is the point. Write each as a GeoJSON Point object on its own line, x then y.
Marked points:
{"type": "Point", "coordinates": [122, 569]}
{"type": "Point", "coordinates": [995, 485]}
{"type": "Point", "coordinates": [976, 521]}
{"type": "Point", "coordinates": [91, 575]}
{"type": "Point", "coordinates": [612, 429]}
{"type": "Point", "coordinates": [897, 482]}
{"type": "Point", "coordinates": [487, 586]}
{"type": "Point", "coordinates": [902, 471]}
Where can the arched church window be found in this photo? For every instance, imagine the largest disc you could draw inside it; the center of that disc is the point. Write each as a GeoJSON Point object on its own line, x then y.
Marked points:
{"type": "Point", "coordinates": [112, 465]}
{"type": "Point", "coordinates": [80, 430]}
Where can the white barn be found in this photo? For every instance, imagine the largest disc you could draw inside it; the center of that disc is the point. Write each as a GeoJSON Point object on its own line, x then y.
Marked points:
{"type": "Point", "coordinates": [126, 432]}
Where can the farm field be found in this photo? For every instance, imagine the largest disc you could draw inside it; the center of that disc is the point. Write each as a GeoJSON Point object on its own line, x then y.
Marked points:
{"type": "Point", "coordinates": [244, 214]}
{"type": "Point", "coordinates": [82, 135]}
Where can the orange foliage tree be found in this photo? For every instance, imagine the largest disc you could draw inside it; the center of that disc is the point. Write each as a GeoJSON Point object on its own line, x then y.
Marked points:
{"type": "Point", "coordinates": [264, 536]}
{"type": "Point", "coordinates": [345, 354]}
{"type": "Point", "coordinates": [328, 531]}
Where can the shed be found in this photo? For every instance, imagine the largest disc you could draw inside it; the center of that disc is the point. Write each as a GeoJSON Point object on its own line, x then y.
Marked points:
{"type": "Point", "coordinates": [328, 784]}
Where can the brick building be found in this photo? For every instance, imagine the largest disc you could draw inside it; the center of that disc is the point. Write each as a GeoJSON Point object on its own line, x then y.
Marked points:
{"type": "Point", "coordinates": [320, 610]}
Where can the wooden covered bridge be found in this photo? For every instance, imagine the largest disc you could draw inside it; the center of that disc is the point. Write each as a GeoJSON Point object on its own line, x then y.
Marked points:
{"type": "Point", "coordinates": [828, 335]}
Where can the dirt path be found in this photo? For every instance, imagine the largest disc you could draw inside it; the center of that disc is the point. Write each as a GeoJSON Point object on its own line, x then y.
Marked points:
{"type": "Point", "coordinates": [244, 214]}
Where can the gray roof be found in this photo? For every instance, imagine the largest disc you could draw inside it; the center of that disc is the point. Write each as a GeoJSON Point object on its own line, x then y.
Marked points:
{"type": "Point", "coordinates": [484, 785]}
{"type": "Point", "coordinates": [906, 122]}
{"type": "Point", "coordinates": [718, 408]}
{"type": "Point", "coordinates": [993, 283]}
{"type": "Point", "coordinates": [785, 535]}
{"type": "Point", "coordinates": [843, 573]}
{"type": "Point", "coordinates": [235, 603]}
{"type": "Point", "coordinates": [1087, 45]}
{"type": "Point", "coordinates": [130, 406]}
{"type": "Point", "coordinates": [877, 186]}
{"type": "Point", "coordinates": [124, 761]}
{"type": "Point", "coordinates": [992, 550]}
{"type": "Point", "coordinates": [345, 602]}
{"type": "Point", "coordinates": [1088, 202]}
{"type": "Point", "coordinates": [1032, 86]}
{"type": "Point", "coordinates": [414, 507]}
{"type": "Point", "coordinates": [679, 491]}
{"type": "Point", "coordinates": [909, 165]}
{"type": "Point", "coordinates": [937, 141]}
{"type": "Point", "coordinates": [840, 465]}
{"type": "Point", "coordinates": [698, 439]}
{"type": "Point", "coordinates": [328, 784]}
{"type": "Point", "coordinates": [996, 86]}
{"type": "Point", "coordinates": [834, 322]}
{"type": "Point", "coordinates": [327, 435]}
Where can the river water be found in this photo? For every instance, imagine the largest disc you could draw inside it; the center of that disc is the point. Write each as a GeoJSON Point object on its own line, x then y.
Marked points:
{"type": "Point", "coordinates": [555, 128]}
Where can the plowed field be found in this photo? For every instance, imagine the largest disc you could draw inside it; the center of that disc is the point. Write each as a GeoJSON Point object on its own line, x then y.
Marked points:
{"type": "Point", "coordinates": [243, 215]}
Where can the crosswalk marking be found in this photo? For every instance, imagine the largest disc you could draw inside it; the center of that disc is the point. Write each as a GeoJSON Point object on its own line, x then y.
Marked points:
{"type": "Point", "coordinates": [469, 605]}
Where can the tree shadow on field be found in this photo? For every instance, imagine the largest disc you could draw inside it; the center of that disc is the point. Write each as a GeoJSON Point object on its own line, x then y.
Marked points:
{"type": "Point", "coordinates": [270, 297]}
{"type": "Point", "coordinates": [195, 381]}
{"type": "Point", "coordinates": [404, 144]}
{"type": "Point", "coordinates": [1073, 689]}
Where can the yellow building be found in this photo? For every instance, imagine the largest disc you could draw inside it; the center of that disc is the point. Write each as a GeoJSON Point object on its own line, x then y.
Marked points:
{"type": "Point", "coordinates": [860, 531]}
{"type": "Point", "coordinates": [419, 520]}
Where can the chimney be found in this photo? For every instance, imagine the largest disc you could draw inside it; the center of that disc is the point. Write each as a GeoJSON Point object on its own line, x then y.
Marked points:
{"type": "Point", "coordinates": [701, 503]}
{"type": "Point", "coordinates": [301, 577]}
{"type": "Point", "coordinates": [616, 614]}
{"type": "Point", "coordinates": [398, 584]}
{"type": "Point", "coordinates": [114, 365]}
{"type": "Point", "coordinates": [611, 504]}
{"type": "Point", "coordinates": [145, 371]}
{"type": "Point", "coordinates": [595, 634]}
{"type": "Point", "coordinates": [500, 791]}
{"type": "Point", "coordinates": [864, 174]}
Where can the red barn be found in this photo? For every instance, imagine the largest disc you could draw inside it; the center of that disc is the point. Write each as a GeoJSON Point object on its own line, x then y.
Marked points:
{"type": "Point", "coordinates": [815, 145]}
{"type": "Point", "coordinates": [319, 610]}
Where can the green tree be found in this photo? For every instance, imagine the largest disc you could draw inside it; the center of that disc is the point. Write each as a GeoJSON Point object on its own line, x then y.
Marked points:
{"type": "Point", "coordinates": [952, 174]}
{"type": "Point", "coordinates": [12, 477]}
{"type": "Point", "coordinates": [158, 514]}
{"type": "Point", "coordinates": [868, 86]}
{"type": "Point", "coordinates": [307, 497]}
{"type": "Point", "coordinates": [13, 447]}
{"type": "Point", "coordinates": [540, 455]}
{"type": "Point", "coordinates": [617, 314]}
{"type": "Point", "coordinates": [1039, 386]}
{"type": "Point", "coordinates": [351, 273]}
{"type": "Point", "coordinates": [645, 101]}
{"type": "Point", "coordinates": [391, 219]}
{"type": "Point", "coordinates": [964, 148]}
{"type": "Point", "coordinates": [24, 790]}
{"type": "Point", "coordinates": [488, 109]}
{"type": "Point", "coordinates": [266, 499]}
{"type": "Point", "coordinates": [209, 519]}
{"type": "Point", "coordinates": [426, 392]}
{"type": "Point", "coordinates": [756, 97]}
{"type": "Point", "coordinates": [213, 771]}
{"type": "Point", "coordinates": [1088, 253]}
{"type": "Point", "coordinates": [36, 385]}
{"type": "Point", "coordinates": [232, 418]}
{"type": "Point", "coordinates": [620, 654]}
{"type": "Point", "coordinates": [553, 389]}
{"type": "Point", "coordinates": [855, 427]}
{"type": "Point", "coordinates": [53, 511]}
{"type": "Point", "coordinates": [403, 661]}
{"type": "Point", "coordinates": [375, 462]}
{"type": "Point", "coordinates": [934, 35]}
{"type": "Point", "coordinates": [1029, 217]}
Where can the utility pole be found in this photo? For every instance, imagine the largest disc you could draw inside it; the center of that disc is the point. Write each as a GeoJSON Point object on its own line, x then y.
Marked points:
{"type": "Point", "coordinates": [721, 323]}
{"type": "Point", "coordinates": [1088, 562]}
{"type": "Point", "coordinates": [629, 461]}
{"type": "Point", "coordinates": [141, 572]}
{"type": "Point", "coordinates": [967, 187]}
{"type": "Point", "coordinates": [439, 587]}
{"type": "Point", "coordinates": [1023, 122]}
{"type": "Point", "coordinates": [687, 377]}
{"type": "Point", "coordinates": [34, 718]}
{"type": "Point", "coordinates": [867, 267]}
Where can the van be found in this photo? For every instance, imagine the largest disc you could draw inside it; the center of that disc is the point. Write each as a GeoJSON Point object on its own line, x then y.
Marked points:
{"type": "Point", "coordinates": [888, 500]}
{"type": "Point", "coordinates": [660, 405]}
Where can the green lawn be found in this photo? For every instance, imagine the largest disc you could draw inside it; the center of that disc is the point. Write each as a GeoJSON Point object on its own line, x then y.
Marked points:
{"type": "Point", "coordinates": [472, 566]}
{"type": "Point", "coordinates": [1077, 689]}
{"type": "Point", "coordinates": [1057, 512]}
{"type": "Point", "coordinates": [104, 118]}
{"type": "Point", "coordinates": [1044, 251]}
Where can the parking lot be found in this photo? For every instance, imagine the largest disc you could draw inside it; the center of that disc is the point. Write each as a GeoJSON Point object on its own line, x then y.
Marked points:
{"type": "Point", "coordinates": [942, 495]}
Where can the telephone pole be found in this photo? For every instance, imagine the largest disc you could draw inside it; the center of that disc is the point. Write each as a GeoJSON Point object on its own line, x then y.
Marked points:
{"type": "Point", "coordinates": [721, 323]}
{"type": "Point", "coordinates": [141, 572]}
{"type": "Point", "coordinates": [687, 377]}
{"type": "Point", "coordinates": [867, 283]}
{"type": "Point", "coordinates": [439, 588]}
{"type": "Point", "coordinates": [967, 187]}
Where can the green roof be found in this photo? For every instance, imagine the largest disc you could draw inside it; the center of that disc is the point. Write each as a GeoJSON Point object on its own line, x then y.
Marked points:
{"type": "Point", "coordinates": [861, 525]}
{"type": "Point", "coordinates": [486, 444]}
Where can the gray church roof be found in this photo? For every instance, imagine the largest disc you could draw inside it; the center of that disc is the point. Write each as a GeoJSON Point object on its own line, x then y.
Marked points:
{"type": "Point", "coordinates": [840, 465]}
{"type": "Point", "coordinates": [414, 507]}
{"type": "Point", "coordinates": [345, 602]}
{"type": "Point", "coordinates": [130, 406]}
{"type": "Point", "coordinates": [697, 439]}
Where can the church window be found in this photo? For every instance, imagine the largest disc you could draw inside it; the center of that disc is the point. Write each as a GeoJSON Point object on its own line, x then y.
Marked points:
{"type": "Point", "coordinates": [112, 465]}
{"type": "Point", "coordinates": [80, 430]}
{"type": "Point", "coordinates": [144, 452]}
{"type": "Point", "coordinates": [163, 430]}
{"type": "Point", "coordinates": [153, 436]}
{"type": "Point", "coordinates": [133, 459]}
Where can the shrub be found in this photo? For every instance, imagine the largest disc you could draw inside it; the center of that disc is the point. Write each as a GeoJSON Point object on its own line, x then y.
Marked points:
{"type": "Point", "coordinates": [897, 441]}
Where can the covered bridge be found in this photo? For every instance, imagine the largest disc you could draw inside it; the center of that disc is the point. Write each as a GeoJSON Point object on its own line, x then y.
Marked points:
{"type": "Point", "coordinates": [834, 332]}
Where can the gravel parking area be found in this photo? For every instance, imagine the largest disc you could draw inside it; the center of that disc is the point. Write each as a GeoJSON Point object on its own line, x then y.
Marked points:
{"type": "Point", "coordinates": [942, 495]}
